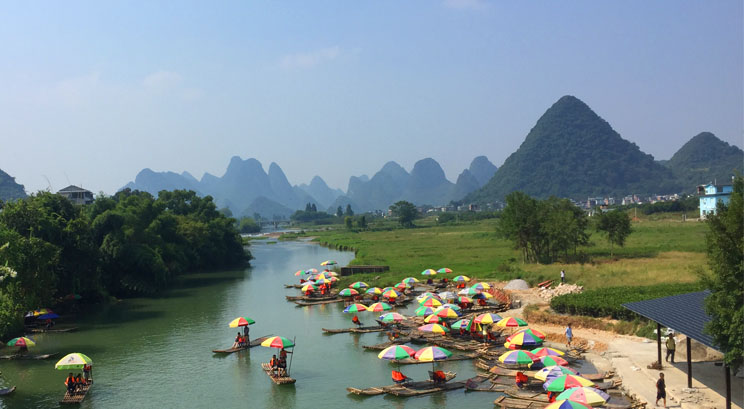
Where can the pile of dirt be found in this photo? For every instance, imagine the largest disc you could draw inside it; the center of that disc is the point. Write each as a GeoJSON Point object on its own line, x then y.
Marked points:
{"type": "Point", "coordinates": [548, 293]}
{"type": "Point", "coordinates": [517, 285]}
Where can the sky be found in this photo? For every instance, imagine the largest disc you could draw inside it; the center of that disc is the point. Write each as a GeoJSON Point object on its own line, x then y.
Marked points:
{"type": "Point", "coordinates": [92, 92]}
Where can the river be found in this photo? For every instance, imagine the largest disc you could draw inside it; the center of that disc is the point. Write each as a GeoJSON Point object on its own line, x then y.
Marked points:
{"type": "Point", "coordinates": [156, 353]}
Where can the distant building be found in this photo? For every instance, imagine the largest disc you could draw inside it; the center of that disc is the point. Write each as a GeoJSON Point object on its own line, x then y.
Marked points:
{"type": "Point", "coordinates": [77, 195]}
{"type": "Point", "coordinates": [710, 195]}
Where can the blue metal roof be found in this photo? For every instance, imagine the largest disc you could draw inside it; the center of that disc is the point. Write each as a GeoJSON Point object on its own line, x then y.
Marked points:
{"type": "Point", "coordinates": [684, 313]}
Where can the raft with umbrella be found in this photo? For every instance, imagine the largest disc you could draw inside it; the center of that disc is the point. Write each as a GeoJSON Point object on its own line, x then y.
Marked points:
{"type": "Point", "coordinates": [413, 386]}
{"type": "Point", "coordinates": [77, 361]}
{"type": "Point", "coordinates": [280, 343]}
{"type": "Point", "coordinates": [253, 343]}
{"type": "Point", "coordinates": [500, 371]}
{"type": "Point", "coordinates": [356, 330]}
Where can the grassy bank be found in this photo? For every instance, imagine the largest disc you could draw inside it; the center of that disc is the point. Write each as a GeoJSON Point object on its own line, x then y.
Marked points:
{"type": "Point", "coordinates": [658, 251]}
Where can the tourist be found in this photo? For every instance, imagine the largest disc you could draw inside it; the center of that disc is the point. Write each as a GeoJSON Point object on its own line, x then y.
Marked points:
{"type": "Point", "coordinates": [283, 355]}
{"type": "Point", "coordinates": [660, 389]}
{"type": "Point", "coordinates": [236, 344]}
{"type": "Point", "coordinates": [399, 378]}
{"type": "Point", "coordinates": [70, 383]}
{"type": "Point", "coordinates": [79, 382]}
{"type": "Point", "coordinates": [569, 335]}
{"type": "Point", "coordinates": [563, 276]}
{"type": "Point", "coordinates": [274, 365]}
{"type": "Point", "coordinates": [551, 396]}
{"type": "Point", "coordinates": [438, 377]}
{"type": "Point", "coordinates": [521, 380]}
{"type": "Point", "coordinates": [356, 321]}
{"type": "Point", "coordinates": [671, 346]}
{"type": "Point", "coordinates": [87, 371]}
{"type": "Point", "coordinates": [49, 323]}
{"type": "Point", "coordinates": [282, 366]}
{"type": "Point", "coordinates": [246, 332]}
{"type": "Point", "coordinates": [429, 281]}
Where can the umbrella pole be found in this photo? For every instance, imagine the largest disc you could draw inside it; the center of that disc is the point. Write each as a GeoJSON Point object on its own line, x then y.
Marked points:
{"type": "Point", "coordinates": [289, 369]}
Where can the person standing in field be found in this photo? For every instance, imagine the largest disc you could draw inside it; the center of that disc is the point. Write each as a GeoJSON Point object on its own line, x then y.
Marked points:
{"type": "Point", "coordinates": [671, 346]}
{"type": "Point", "coordinates": [660, 389]}
{"type": "Point", "coordinates": [569, 335]}
{"type": "Point", "coordinates": [563, 276]}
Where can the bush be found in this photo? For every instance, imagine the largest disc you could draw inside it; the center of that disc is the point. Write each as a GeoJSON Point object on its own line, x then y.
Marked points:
{"type": "Point", "coordinates": [608, 302]}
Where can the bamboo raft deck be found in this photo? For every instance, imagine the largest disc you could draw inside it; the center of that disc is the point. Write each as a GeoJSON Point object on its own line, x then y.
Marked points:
{"type": "Point", "coordinates": [379, 390]}
{"type": "Point", "coordinates": [254, 343]}
{"type": "Point", "coordinates": [27, 356]}
{"type": "Point", "coordinates": [51, 330]}
{"type": "Point", "coordinates": [497, 370]}
{"type": "Point", "coordinates": [506, 402]}
{"type": "Point", "coordinates": [77, 396]}
{"type": "Point", "coordinates": [302, 303]}
{"type": "Point", "coordinates": [493, 383]}
{"type": "Point", "coordinates": [306, 298]}
{"type": "Point", "coordinates": [279, 380]}
{"type": "Point", "coordinates": [7, 391]}
{"type": "Point", "coordinates": [358, 330]}
{"type": "Point", "coordinates": [412, 361]}
{"type": "Point", "coordinates": [422, 388]}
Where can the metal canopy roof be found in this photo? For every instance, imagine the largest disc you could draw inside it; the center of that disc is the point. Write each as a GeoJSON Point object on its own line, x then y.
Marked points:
{"type": "Point", "coordinates": [684, 313]}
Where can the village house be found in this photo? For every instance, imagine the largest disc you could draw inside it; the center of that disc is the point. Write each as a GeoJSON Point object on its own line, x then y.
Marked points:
{"type": "Point", "coordinates": [77, 195]}
{"type": "Point", "coordinates": [710, 195]}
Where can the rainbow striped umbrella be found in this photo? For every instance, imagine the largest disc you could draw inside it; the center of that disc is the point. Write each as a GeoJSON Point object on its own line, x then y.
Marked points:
{"type": "Point", "coordinates": [21, 342]}
{"type": "Point", "coordinates": [522, 339]}
{"type": "Point", "coordinates": [241, 322]}
{"type": "Point", "coordinates": [374, 291]}
{"type": "Point", "coordinates": [463, 323]}
{"type": "Point", "coordinates": [423, 311]}
{"type": "Point", "coordinates": [532, 332]}
{"type": "Point", "coordinates": [277, 342]}
{"type": "Point", "coordinates": [329, 263]}
{"type": "Point", "coordinates": [432, 319]}
{"type": "Point", "coordinates": [567, 404]}
{"type": "Point", "coordinates": [426, 295]}
{"type": "Point", "coordinates": [463, 299]}
{"type": "Point", "coordinates": [444, 270]}
{"type": "Point", "coordinates": [487, 318]}
{"type": "Point", "coordinates": [401, 286]}
{"type": "Point", "coordinates": [461, 279]}
{"type": "Point", "coordinates": [432, 353]}
{"type": "Point", "coordinates": [348, 292]}
{"type": "Point", "coordinates": [447, 313]}
{"type": "Point", "coordinates": [434, 328]}
{"type": "Point", "coordinates": [299, 272]}
{"type": "Point", "coordinates": [395, 352]}
{"type": "Point", "coordinates": [511, 322]}
{"type": "Point", "coordinates": [411, 281]}
{"type": "Point", "coordinates": [358, 285]}
{"type": "Point", "coordinates": [564, 382]}
{"type": "Point", "coordinates": [448, 305]}
{"type": "Point", "coordinates": [470, 292]}
{"type": "Point", "coordinates": [355, 308]}
{"type": "Point", "coordinates": [40, 311]}
{"type": "Point", "coordinates": [517, 357]}
{"type": "Point", "coordinates": [429, 272]}
{"type": "Point", "coordinates": [322, 280]}
{"type": "Point", "coordinates": [586, 395]}
{"type": "Point", "coordinates": [311, 271]}
{"type": "Point", "coordinates": [74, 360]}
{"type": "Point", "coordinates": [391, 293]}
{"type": "Point", "coordinates": [379, 306]}
{"type": "Point", "coordinates": [311, 287]}
{"type": "Point", "coordinates": [552, 361]}
{"type": "Point", "coordinates": [546, 351]}
{"type": "Point", "coordinates": [430, 302]}
{"type": "Point", "coordinates": [481, 287]}
{"type": "Point", "coordinates": [482, 295]}
{"type": "Point", "coordinates": [391, 317]}
{"type": "Point", "coordinates": [553, 372]}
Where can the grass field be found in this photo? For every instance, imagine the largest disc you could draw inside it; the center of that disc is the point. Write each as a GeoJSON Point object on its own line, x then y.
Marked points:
{"type": "Point", "coordinates": [662, 250]}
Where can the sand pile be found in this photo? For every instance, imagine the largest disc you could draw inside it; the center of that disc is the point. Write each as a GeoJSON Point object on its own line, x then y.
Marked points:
{"type": "Point", "coordinates": [517, 285]}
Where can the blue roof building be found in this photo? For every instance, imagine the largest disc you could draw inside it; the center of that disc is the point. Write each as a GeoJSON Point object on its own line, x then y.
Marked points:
{"type": "Point", "coordinates": [710, 195]}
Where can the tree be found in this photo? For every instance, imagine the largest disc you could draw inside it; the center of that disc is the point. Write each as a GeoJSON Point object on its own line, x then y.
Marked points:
{"type": "Point", "coordinates": [362, 222]}
{"type": "Point", "coordinates": [339, 212]}
{"type": "Point", "coordinates": [349, 212]}
{"type": "Point", "coordinates": [313, 208]}
{"type": "Point", "coordinates": [349, 222]}
{"type": "Point", "coordinates": [616, 225]}
{"type": "Point", "coordinates": [405, 212]}
{"type": "Point", "coordinates": [248, 225]}
{"type": "Point", "coordinates": [725, 242]}
{"type": "Point", "coordinates": [445, 218]}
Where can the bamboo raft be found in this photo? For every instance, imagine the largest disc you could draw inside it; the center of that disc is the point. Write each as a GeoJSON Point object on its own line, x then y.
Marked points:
{"type": "Point", "coordinates": [26, 356]}
{"type": "Point", "coordinates": [412, 361]}
{"type": "Point", "coordinates": [302, 303]}
{"type": "Point", "coordinates": [52, 330]}
{"type": "Point", "coordinates": [358, 330]}
{"type": "Point", "coordinates": [78, 395]}
{"type": "Point", "coordinates": [379, 390]}
{"type": "Point", "coordinates": [306, 298]}
{"type": "Point", "coordinates": [416, 389]}
{"type": "Point", "coordinates": [254, 343]}
{"type": "Point", "coordinates": [279, 380]}
{"type": "Point", "coordinates": [497, 370]}
{"type": "Point", "coordinates": [506, 402]}
{"type": "Point", "coordinates": [7, 391]}
{"type": "Point", "coordinates": [493, 383]}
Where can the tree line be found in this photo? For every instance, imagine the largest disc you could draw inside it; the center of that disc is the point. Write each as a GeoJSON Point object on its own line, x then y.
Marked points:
{"type": "Point", "coordinates": [128, 244]}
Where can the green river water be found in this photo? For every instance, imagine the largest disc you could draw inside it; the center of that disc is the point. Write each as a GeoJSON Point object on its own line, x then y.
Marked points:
{"type": "Point", "coordinates": [156, 353]}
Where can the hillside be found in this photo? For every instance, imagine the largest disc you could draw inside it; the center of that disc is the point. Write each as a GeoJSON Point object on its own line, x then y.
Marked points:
{"type": "Point", "coordinates": [703, 159]}
{"type": "Point", "coordinates": [572, 152]}
{"type": "Point", "coordinates": [9, 189]}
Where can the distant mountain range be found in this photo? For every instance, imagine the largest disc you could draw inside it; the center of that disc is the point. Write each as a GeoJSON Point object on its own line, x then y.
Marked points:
{"type": "Point", "coordinates": [705, 158]}
{"type": "Point", "coordinates": [9, 189]}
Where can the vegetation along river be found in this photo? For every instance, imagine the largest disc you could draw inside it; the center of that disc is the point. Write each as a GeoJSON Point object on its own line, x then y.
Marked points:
{"type": "Point", "coordinates": [156, 353]}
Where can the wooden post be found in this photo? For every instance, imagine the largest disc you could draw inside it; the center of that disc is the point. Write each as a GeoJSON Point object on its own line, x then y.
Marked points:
{"type": "Point", "coordinates": [689, 363]}
{"type": "Point", "coordinates": [289, 369]}
{"type": "Point", "coordinates": [658, 342]}
{"type": "Point", "coordinates": [728, 386]}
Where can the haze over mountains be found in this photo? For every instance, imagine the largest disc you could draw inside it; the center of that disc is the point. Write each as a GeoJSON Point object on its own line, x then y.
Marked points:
{"type": "Point", "coordinates": [570, 152]}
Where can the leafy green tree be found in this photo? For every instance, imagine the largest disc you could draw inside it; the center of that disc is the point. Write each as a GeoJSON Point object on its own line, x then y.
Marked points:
{"type": "Point", "coordinates": [616, 225]}
{"type": "Point", "coordinates": [362, 223]}
{"type": "Point", "coordinates": [248, 225]}
{"type": "Point", "coordinates": [349, 222]}
{"type": "Point", "coordinates": [349, 212]}
{"type": "Point", "coordinates": [445, 218]}
{"type": "Point", "coordinates": [339, 212]}
{"type": "Point", "coordinates": [725, 242]}
{"type": "Point", "coordinates": [308, 207]}
{"type": "Point", "coordinates": [405, 212]}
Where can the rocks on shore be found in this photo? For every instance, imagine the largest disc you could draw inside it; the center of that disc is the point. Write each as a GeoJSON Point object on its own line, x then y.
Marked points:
{"type": "Point", "coordinates": [548, 293]}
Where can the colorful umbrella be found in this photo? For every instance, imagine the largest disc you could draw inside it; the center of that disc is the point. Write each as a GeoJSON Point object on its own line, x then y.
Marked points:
{"type": "Point", "coordinates": [394, 352]}
{"type": "Point", "coordinates": [511, 322]}
{"type": "Point", "coordinates": [329, 263]}
{"type": "Point", "coordinates": [464, 323]}
{"type": "Point", "coordinates": [391, 293]}
{"type": "Point", "coordinates": [434, 328]}
{"type": "Point", "coordinates": [311, 271]}
{"type": "Point", "coordinates": [241, 322]}
{"type": "Point", "coordinates": [481, 287]}
{"type": "Point", "coordinates": [401, 286]}
{"type": "Point", "coordinates": [391, 317]}
{"type": "Point", "coordinates": [461, 279]}
{"type": "Point", "coordinates": [429, 272]}
{"type": "Point", "coordinates": [379, 306]}
{"type": "Point", "coordinates": [299, 272]}
{"type": "Point", "coordinates": [430, 302]}
{"type": "Point", "coordinates": [322, 280]}
{"type": "Point", "coordinates": [359, 285]}
{"type": "Point", "coordinates": [74, 360]}
{"type": "Point", "coordinates": [449, 305]}
{"type": "Point", "coordinates": [423, 311]}
{"type": "Point", "coordinates": [552, 361]}
{"type": "Point", "coordinates": [447, 313]}
{"type": "Point", "coordinates": [348, 292]}
{"type": "Point", "coordinates": [21, 342]}
{"type": "Point", "coordinates": [464, 299]}
{"type": "Point", "coordinates": [483, 295]}
{"type": "Point", "coordinates": [410, 281]}
{"type": "Point", "coordinates": [433, 353]}
{"type": "Point", "coordinates": [534, 332]}
{"type": "Point", "coordinates": [277, 342]}
{"type": "Point", "coordinates": [545, 351]}
{"type": "Point", "coordinates": [586, 395]}
{"type": "Point", "coordinates": [355, 308]}
{"type": "Point", "coordinates": [553, 372]}
{"type": "Point", "coordinates": [471, 292]}
{"type": "Point", "coordinates": [374, 290]}
{"type": "Point", "coordinates": [432, 319]}
{"type": "Point", "coordinates": [518, 357]}
{"type": "Point", "coordinates": [522, 339]}
{"type": "Point", "coordinates": [311, 287]}
{"type": "Point", "coordinates": [487, 318]}
{"type": "Point", "coordinates": [444, 270]}
{"type": "Point", "coordinates": [567, 404]}
{"type": "Point", "coordinates": [564, 382]}
{"type": "Point", "coordinates": [40, 311]}
{"type": "Point", "coordinates": [50, 316]}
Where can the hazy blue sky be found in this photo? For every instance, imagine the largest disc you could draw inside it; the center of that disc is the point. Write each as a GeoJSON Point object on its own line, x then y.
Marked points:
{"type": "Point", "coordinates": [92, 92]}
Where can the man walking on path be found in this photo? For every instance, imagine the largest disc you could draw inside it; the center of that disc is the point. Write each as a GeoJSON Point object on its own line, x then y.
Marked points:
{"type": "Point", "coordinates": [660, 389]}
{"type": "Point", "coordinates": [563, 276]}
{"type": "Point", "coordinates": [569, 335]}
{"type": "Point", "coordinates": [670, 346]}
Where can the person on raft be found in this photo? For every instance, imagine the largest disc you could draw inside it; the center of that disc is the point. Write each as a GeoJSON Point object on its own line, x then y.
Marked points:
{"type": "Point", "coordinates": [274, 364]}
{"type": "Point", "coordinates": [88, 372]}
{"type": "Point", "coordinates": [238, 340]}
{"type": "Point", "coordinates": [79, 382]}
{"type": "Point", "coordinates": [521, 380]}
{"type": "Point", "coordinates": [246, 332]}
{"type": "Point", "coordinates": [438, 377]}
{"type": "Point", "coordinates": [70, 383]}
{"type": "Point", "coordinates": [356, 321]}
{"type": "Point", "coordinates": [399, 378]}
